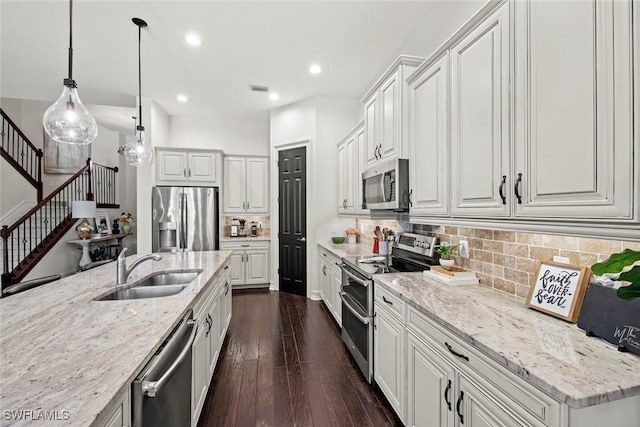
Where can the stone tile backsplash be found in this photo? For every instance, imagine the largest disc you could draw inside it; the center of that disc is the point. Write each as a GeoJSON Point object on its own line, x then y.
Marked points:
{"type": "Point", "coordinates": [264, 219]}
{"type": "Point", "coordinates": [507, 260]}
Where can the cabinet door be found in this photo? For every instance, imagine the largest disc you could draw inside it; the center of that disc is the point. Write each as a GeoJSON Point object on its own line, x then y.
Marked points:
{"type": "Point", "coordinates": [475, 407]}
{"type": "Point", "coordinates": [224, 308]}
{"type": "Point", "coordinates": [172, 166]}
{"type": "Point", "coordinates": [234, 184]}
{"type": "Point", "coordinates": [342, 178]}
{"type": "Point", "coordinates": [388, 363]}
{"type": "Point", "coordinates": [257, 263]}
{"type": "Point", "coordinates": [360, 141]}
{"type": "Point", "coordinates": [371, 134]}
{"type": "Point", "coordinates": [390, 118]}
{"type": "Point", "coordinates": [574, 109]}
{"type": "Point", "coordinates": [257, 185]}
{"type": "Point", "coordinates": [336, 302]}
{"type": "Point", "coordinates": [325, 285]}
{"type": "Point", "coordinates": [480, 119]}
{"type": "Point", "coordinates": [430, 386]}
{"type": "Point", "coordinates": [237, 267]}
{"type": "Point", "coordinates": [351, 171]}
{"type": "Point", "coordinates": [203, 167]}
{"type": "Point", "coordinates": [428, 118]}
{"type": "Point", "coordinates": [213, 338]}
{"type": "Point", "coordinates": [199, 381]}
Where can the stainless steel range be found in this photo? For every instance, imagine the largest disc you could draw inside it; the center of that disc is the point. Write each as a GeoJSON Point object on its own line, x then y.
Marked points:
{"type": "Point", "coordinates": [410, 252]}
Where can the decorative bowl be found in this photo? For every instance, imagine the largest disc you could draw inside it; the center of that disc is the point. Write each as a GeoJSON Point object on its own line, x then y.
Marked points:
{"type": "Point", "coordinates": [337, 239]}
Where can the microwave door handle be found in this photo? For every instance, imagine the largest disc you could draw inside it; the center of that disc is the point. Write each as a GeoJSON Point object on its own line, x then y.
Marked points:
{"type": "Point", "coordinates": [384, 197]}
{"type": "Point", "coordinates": [152, 388]}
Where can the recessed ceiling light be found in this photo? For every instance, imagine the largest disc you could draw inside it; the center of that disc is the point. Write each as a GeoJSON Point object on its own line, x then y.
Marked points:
{"type": "Point", "coordinates": [315, 69]}
{"type": "Point", "coordinates": [193, 39]}
{"type": "Point", "coordinates": [273, 96]}
{"type": "Point", "coordinates": [182, 98]}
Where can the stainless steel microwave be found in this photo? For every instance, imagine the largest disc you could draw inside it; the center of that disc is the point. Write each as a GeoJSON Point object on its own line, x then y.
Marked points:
{"type": "Point", "coordinates": [386, 186]}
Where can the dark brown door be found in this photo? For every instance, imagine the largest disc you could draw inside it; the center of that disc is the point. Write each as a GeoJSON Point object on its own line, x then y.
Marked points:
{"type": "Point", "coordinates": [292, 209]}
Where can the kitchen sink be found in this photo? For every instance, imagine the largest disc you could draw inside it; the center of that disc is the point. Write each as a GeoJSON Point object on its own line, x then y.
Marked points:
{"type": "Point", "coordinates": [144, 292]}
{"type": "Point", "coordinates": [155, 286]}
{"type": "Point", "coordinates": [172, 278]}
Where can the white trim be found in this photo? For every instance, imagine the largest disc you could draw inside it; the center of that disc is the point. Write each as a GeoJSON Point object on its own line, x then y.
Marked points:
{"type": "Point", "coordinates": [275, 210]}
{"type": "Point", "coordinates": [17, 212]}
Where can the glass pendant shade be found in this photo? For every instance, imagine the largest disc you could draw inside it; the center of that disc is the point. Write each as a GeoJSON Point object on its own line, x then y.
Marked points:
{"type": "Point", "coordinates": [68, 121]}
{"type": "Point", "coordinates": [138, 151]}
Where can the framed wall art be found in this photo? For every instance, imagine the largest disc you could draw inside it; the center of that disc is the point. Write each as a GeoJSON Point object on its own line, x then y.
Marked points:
{"type": "Point", "coordinates": [103, 225]}
{"type": "Point", "coordinates": [64, 158]}
{"type": "Point", "coordinates": [558, 289]}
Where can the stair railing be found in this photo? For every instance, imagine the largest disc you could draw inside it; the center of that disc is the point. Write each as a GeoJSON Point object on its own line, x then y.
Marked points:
{"type": "Point", "coordinates": [36, 232]}
{"type": "Point", "coordinates": [16, 148]}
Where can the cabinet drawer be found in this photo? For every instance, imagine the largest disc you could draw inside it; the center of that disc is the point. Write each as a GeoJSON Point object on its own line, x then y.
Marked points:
{"type": "Point", "coordinates": [389, 301]}
{"type": "Point", "coordinates": [245, 244]}
{"type": "Point", "coordinates": [531, 404]}
{"type": "Point", "coordinates": [332, 262]}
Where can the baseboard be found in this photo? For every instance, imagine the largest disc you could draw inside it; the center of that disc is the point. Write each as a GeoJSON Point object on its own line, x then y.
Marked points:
{"type": "Point", "coordinates": [16, 213]}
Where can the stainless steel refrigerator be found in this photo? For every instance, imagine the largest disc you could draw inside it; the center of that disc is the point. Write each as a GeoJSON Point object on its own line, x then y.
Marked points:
{"type": "Point", "coordinates": [185, 219]}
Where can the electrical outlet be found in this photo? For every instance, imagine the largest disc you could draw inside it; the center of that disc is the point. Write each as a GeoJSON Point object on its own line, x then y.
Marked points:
{"type": "Point", "coordinates": [463, 250]}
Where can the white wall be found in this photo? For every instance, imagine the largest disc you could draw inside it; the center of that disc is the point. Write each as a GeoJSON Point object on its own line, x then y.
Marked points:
{"type": "Point", "coordinates": [233, 136]}
{"type": "Point", "coordinates": [319, 123]}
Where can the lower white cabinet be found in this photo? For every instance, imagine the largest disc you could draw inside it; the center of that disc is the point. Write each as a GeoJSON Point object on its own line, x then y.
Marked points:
{"type": "Point", "coordinates": [212, 317]}
{"type": "Point", "coordinates": [120, 414]}
{"type": "Point", "coordinates": [330, 280]}
{"type": "Point", "coordinates": [249, 263]}
{"type": "Point", "coordinates": [388, 357]}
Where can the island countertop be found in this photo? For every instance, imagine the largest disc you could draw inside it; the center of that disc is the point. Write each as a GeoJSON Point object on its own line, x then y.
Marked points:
{"type": "Point", "coordinates": [552, 354]}
{"type": "Point", "coordinates": [63, 352]}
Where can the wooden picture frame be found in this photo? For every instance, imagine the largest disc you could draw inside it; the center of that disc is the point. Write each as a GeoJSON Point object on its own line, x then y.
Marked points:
{"type": "Point", "coordinates": [558, 289]}
{"type": "Point", "coordinates": [103, 225]}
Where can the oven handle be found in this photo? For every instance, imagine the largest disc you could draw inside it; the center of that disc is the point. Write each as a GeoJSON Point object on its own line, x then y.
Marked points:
{"type": "Point", "coordinates": [364, 283]}
{"type": "Point", "coordinates": [345, 299]}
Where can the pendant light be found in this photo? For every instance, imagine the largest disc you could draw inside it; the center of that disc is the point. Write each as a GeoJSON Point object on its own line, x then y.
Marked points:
{"type": "Point", "coordinates": [68, 120]}
{"type": "Point", "coordinates": [138, 151]}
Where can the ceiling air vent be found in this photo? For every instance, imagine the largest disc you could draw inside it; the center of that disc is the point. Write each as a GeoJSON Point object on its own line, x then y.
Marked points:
{"type": "Point", "coordinates": [255, 88]}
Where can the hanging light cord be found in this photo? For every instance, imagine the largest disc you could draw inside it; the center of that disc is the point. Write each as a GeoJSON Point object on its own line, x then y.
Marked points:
{"type": "Point", "coordinates": [140, 127]}
{"type": "Point", "coordinates": [69, 82]}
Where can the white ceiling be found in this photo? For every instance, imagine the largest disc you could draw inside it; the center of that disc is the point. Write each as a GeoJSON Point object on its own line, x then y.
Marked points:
{"type": "Point", "coordinates": [269, 43]}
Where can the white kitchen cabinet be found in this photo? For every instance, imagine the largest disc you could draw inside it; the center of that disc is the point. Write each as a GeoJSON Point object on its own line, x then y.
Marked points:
{"type": "Point", "coordinates": [350, 168]}
{"type": "Point", "coordinates": [249, 263]}
{"type": "Point", "coordinates": [384, 112]}
{"type": "Point", "coordinates": [330, 281]}
{"type": "Point", "coordinates": [120, 414]}
{"type": "Point", "coordinates": [389, 349]}
{"type": "Point", "coordinates": [188, 167]}
{"type": "Point", "coordinates": [480, 139]}
{"type": "Point", "coordinates": [203, 351]}
{"type": "Point", "coordinates": [246, 184]}
{"type": "Point", "coordinates": [428, 138]}
{"type": "Point", "coordinates": [574, 148]}
{"type": "Point", "coordinates": [430, 383]}
{"type": "Point", "coordinates": [224, 305]}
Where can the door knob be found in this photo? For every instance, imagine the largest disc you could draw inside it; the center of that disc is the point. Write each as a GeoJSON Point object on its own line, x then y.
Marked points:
{"type": "Point", "coordinates": [302, 239]}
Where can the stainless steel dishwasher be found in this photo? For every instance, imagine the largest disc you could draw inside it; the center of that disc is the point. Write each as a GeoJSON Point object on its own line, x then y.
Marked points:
{"type": "Point", "coordinates": [162, 391]}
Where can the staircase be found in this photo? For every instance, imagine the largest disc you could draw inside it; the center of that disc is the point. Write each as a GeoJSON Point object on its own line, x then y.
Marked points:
{"type": "Point", "coordinates": [28, 240]}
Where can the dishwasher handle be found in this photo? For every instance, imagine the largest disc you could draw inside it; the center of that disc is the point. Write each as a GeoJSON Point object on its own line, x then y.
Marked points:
{"type": "Point", "coordinates": [151, 388]}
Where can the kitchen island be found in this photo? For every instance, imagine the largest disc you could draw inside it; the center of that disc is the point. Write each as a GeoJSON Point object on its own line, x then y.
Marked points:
{"type": "Point", "coordinates": [68, 357]}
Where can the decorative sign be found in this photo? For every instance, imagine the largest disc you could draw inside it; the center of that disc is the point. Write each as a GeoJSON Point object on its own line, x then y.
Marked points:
{"type": "Point", "coordinates": [559, 289]}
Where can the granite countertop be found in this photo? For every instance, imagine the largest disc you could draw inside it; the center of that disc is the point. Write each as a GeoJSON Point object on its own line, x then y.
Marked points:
{"type": "Point", "coordinates": [552, 354]}
{"type": "Point", "coordinates": [62, 351]}
{"type": "Point", "coordinates": [346, 250]}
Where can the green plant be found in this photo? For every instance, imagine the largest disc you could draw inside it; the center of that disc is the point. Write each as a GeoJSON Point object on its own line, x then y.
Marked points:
{"type": "Point", "coordinates": [623, 266]}
{"type": "Point", "coordinates": [444, 249]}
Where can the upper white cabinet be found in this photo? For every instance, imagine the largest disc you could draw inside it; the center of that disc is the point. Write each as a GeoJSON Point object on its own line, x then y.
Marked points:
{"type": "Point", "coordinates": [246, 184]}
{"type": "Point", "coordinates": [350, 168]}
{"type": "Point", "coordinates": [574, 110]}
{"type": "Point", "coordinates": [188, 167]}
{"type": "Point", "coordinates": [428, 139]}
{"type": "Point", "coordinates": [384, 112]}
{"type": "Point", "coordinates": [480, 119]}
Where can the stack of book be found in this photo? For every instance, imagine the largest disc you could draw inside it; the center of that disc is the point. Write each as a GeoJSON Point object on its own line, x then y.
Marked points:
{"type": "Point", "coordinates": [451, 275]}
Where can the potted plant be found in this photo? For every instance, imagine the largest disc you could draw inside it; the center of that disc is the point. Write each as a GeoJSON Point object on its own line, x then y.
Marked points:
{"type": "Point", "coordinates": [444, 249]}
{"type": "Point", "coordinates": [625, 267]}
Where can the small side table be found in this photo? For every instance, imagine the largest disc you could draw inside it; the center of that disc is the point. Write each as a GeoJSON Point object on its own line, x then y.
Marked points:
{"type": "Point", "coordinates": [86, 244]}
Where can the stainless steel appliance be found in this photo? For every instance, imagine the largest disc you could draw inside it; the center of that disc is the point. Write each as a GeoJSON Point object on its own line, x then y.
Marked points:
{"type": "Point", "coordinates": [162, 392]}
{"type": "Point", "coordinates": [410, 252]}
{"type": "Point", "coordinates": [184, 219]}
{"type": "Point", "coordinates": [387, 186]}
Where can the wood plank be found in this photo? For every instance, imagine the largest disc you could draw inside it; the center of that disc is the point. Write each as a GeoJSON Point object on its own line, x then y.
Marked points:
{"type": "Point", "coordinates": [283, 411]}
{"type": "Point", "coordinates": [318, 403]}
{"type": "Point", "coordinates": [299, 397]}
{"type": "Point", "coordinates": [247, 396]}
{"type": "Point", "coordinates": [265, 400]}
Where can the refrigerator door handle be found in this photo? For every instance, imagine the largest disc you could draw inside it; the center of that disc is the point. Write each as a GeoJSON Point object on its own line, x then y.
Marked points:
{"type": "Point", "coordinates": [184, 223]}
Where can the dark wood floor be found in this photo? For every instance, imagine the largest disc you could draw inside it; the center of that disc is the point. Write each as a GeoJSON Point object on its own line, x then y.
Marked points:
{"type": "Point", "coordinates": [283, 364]}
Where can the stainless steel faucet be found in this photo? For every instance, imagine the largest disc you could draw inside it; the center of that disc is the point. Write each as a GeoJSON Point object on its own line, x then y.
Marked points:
{"type": "Point", "coordinates": [122, 272]}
